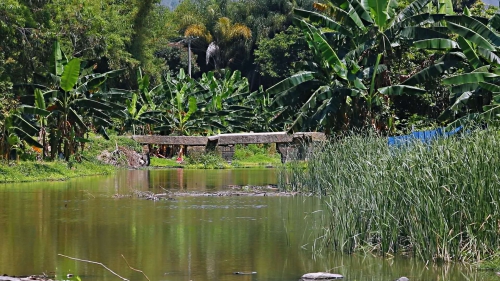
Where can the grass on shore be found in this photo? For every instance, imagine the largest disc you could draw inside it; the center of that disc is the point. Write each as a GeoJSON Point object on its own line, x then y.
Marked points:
{"type": "Point", "coordinates": [438, 202]}
{"type": "Point", "coordinates": [28, 171]}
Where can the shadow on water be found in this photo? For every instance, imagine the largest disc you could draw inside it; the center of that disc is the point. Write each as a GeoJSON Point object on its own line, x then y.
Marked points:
{"type": "Point", "coordinates": [193, 238]}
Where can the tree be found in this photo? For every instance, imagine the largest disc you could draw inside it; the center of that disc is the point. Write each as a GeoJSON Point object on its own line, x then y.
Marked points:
{"type": "Point", "coordinates": [354, 52]}
{"type": "Point", "coordinates": [276, 57]}
{"type": "Point", "coordinates": [224, 42]}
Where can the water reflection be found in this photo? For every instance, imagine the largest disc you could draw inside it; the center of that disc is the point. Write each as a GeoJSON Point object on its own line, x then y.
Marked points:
{"type": "Point", "coordinates": [187, 239]}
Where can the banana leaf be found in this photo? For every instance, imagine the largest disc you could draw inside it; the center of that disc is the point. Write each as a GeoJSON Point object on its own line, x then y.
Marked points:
{"type": "Point", "coordinates": [470, 35]}
{"type": "Point", "coordinates": [436, 44]}
{"type": "Point", "coordinates": [89, 103]}
{"type": "Point", "coordinates": [401, 90]}
{"type": "Point", "coordinates": [290, 82]}
{"type": "Point", "coordinates": [77, 119]}
{"type": "Point", "coordinates": [479, 28]}
{"type": "Point", "coordinates": [70, 75]}
{"type": "Point", "coordinates": [469, 52]}
{"type": "Point", "coordinates": [474, 77]}
{"type": "Point", "coordinates": [26, 137]}
{"type": "Point", "coordinates": [34, 110]}
{"type": "Point", "coordinates": [322, 20]}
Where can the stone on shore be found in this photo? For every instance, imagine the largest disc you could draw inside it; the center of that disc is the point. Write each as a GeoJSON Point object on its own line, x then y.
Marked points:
{"type": "Point", "coordinates": [321, 276]}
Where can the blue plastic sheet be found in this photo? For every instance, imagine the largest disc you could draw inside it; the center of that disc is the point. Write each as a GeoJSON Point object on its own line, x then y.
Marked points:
{"type": "Point", "coordinates": [424, 136]}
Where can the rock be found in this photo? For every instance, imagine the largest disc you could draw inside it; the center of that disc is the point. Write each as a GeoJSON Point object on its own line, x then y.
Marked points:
{"type": "Point", "coordinates": [403, 279]}
{"type": "Point", "coordinates": [321, 276]}
{"type": "Point", "coordinates": [124, 156]}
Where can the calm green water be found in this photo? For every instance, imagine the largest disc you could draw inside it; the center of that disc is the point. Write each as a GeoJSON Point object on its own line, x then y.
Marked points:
{"type": "Point", "coordinates": [195, 239]}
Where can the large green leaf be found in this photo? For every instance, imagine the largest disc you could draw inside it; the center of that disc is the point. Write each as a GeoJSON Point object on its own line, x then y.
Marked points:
{"type": "Point", "coordinates": [56, 66]}
{"type": "Point", "coordinates": [77, 119]}
{"type": "Point", "coordinates": [476, 26]}
{"type": "Point", "coordinates": [361, 11]}
{"type": "Point", "coordinates": [24, 125]}
{"type": "Point", "coordinates": [39, 99]}
{"type": "Point", "coordinates": [378, 10]}
{"type": "Point", "coordinates": [494, 22]}
{"type": "Point", "coordinates": [429, 73]}
{"type": "Point", "coordinates": [474, 77]}
{"type": "Point", "coordinates": [436, 44]}
{"type": "Point", "coordinates": [290, 82]}
{"type": "Point", "coordinates": [322, 20]}
{"type": "Point", "coordinates": [446, 7]}
{"type": "Point", "coordinates": [461, 101]}
{"type": "Point", "coordinates": [34, 110]}
{"type": "Point", "coordinates": [193, 107]}
{"type": "Point", "coordinates": [420, 33]}
{"type": "Point", "coordinates": [469, 52]}
{"type": "Point", "coordinates": [89, 103]}
{"type": "Point", "coordinates": [92, 83]}
{"type": "Point", "coordinates": [70, 75]}
{"type": "Point", "coordinates": [27, 138]}
{"type": "Point", "coordinates": [470, 35]}
{"type": "Point", "coordinates": [401, 90]}
{"type": "Point", "coordinates": [100, 113]}
{"type": "Point", "coordinates": [490, 56]}
{"type": "Point", "coordinates": [329, 55]}
{"type": "Point", "coordinates": [462, 88]}
{"type": "Point", "coordinates": [411, 10]}
{"type": "Point", "coordinates": [490, 87]}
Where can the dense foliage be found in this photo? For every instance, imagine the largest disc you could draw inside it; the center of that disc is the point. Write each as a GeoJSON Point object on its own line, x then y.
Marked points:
{"type": "Point", "coordinates": [70, 68]}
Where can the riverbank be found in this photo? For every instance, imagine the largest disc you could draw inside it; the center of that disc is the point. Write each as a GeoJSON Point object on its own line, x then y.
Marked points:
{"type": "Point", "coordinates": [28, 171]}
{"type": "Point", "coordinates": [436, 202]}
{"type": "Point", "coordinates": [104, 157]}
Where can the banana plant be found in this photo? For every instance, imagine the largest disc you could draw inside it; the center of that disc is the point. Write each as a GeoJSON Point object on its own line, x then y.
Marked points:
{"type": "Point", "coordinates": [474, 90]}
{"type": "Point", "coordinates": [181, 112]}
{"type": "Point", "coordinates": [347, 63]}
{"type": "Point", "coordinates": [142, 105]}
{"type": "Point", "coordinates": [226, 99]}
{"type": "Point", "coordinates": [72, 101]}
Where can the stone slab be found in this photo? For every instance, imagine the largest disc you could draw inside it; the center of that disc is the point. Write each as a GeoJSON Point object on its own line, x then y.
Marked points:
{"type": "Point", "coordinates": [171, 140]}
{"type": "Point", "coordinates": [251, 138]}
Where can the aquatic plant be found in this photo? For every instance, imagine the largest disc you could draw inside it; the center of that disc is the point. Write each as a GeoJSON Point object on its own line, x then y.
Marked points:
{"type": "Point", "coordinates": [438, 202]}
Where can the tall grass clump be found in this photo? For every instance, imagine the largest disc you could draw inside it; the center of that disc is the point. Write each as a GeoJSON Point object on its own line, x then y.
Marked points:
{"type": "Point", "coordinates": [438, 202]}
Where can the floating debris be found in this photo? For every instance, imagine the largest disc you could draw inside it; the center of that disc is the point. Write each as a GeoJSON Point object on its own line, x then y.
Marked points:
{"type": "Point", "coordinates": [321, 276]}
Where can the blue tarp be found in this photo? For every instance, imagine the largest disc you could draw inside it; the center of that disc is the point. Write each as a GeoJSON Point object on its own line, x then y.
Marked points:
{"type": "Point", "coordinates": [424, 136]}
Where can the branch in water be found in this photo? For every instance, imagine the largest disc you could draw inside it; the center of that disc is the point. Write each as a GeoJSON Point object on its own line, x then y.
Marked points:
{"type": "Point", "coordinates": [138, 270]}
{"type": "Point", "coordinates": [94, 262]}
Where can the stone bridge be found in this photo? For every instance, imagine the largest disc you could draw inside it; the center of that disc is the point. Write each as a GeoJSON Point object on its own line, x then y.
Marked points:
{"type": "Point", "coordinates": [290, 146]}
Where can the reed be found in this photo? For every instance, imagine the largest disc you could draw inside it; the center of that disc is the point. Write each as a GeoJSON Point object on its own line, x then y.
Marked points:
{"type": "Point", "coordinates": [438, 202]}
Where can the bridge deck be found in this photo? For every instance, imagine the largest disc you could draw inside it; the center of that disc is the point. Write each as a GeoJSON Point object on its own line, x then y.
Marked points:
{"type": "Point", "coordinates": [230, 139]}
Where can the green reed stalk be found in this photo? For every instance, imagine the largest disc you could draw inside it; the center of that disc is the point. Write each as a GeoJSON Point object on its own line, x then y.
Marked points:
{"type": "Point", "coordinates": [437, 202]}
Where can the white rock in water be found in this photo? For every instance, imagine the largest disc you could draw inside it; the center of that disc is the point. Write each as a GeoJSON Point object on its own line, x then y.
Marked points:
{"type": "Point", "coordinates": [321, 276]}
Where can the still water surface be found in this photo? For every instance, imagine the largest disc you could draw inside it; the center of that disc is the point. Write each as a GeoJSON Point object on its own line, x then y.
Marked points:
{"type": "Point", "coordinates": [195, 238]}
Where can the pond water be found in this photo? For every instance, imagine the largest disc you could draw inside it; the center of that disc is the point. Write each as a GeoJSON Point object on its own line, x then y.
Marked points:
{"type": "Point", "coordinates": [193, 238]}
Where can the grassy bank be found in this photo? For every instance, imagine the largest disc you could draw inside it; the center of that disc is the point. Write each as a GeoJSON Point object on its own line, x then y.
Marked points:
{"type": "Point", "coordinates": [438, 202]}
{"type": "Point", "coordinates": [25, 171]}
{"type": "Point", "coordinates": [30, 169]}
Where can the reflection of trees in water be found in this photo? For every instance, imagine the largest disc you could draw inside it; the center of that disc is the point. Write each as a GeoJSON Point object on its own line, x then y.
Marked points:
{"type": "Point", "coordinates": [212, 237]}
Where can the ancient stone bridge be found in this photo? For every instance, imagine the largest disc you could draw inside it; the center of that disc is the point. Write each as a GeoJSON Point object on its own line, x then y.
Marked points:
{"type": "Point", "coordinates": [290, 146]}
